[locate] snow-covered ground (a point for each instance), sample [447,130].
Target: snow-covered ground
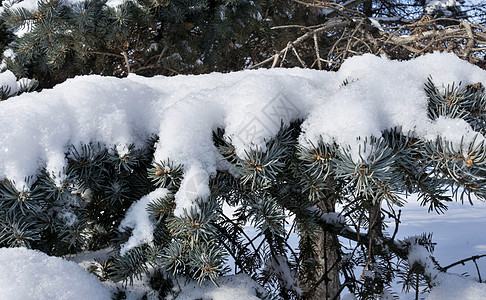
[459,233]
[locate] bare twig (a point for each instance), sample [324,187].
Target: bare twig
[127,61]
[462,261]
[316,46]
[298,57]
[348,36]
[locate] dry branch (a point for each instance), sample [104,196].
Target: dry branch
[328,45]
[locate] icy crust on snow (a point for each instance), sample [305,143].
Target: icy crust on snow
[30,274]
[239,286]
[37,128]
[446,286]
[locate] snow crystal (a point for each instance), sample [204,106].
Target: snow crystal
[366,96]
[239,286]
[30,274]
[137,218]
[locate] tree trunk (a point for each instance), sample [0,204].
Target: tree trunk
[368,8]
[320,267]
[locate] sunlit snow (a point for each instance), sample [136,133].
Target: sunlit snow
[30,274]
[250,105]
[366,96]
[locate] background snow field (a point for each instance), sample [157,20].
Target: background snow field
[459,233]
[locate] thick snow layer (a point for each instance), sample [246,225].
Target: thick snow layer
[137,218]
[37,128]
[451,286]
[234,287]
[32,275]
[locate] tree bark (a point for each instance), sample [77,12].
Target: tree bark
[320,271]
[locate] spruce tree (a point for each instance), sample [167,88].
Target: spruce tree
[83,209]
[143,37]
[61,39]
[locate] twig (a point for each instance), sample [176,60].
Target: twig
[351,34]
[316,46]
[295,26]
[477,269]
[104,53]
[284,55]
[298,57]
[275,60]
[470,41]
[304,37]
[127,62]
[397,223]
[462,261]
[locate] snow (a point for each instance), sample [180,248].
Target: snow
[29,274]
[443,6]
[140,288]
[8,80]
[30,5]
[239,286]
[458,234]
[385,94]
[451,286]
[445,285]
[138,219]
[7,54]
[36,130]
[184,110]
[279,265]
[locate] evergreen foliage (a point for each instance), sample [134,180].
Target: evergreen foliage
[83,209]
[60,40]
[145,37]
[286,189]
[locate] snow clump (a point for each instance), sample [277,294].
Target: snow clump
[31,274]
